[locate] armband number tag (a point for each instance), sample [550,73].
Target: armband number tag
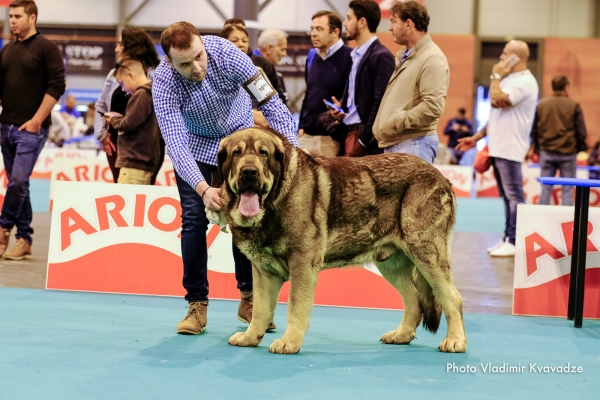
[259,88]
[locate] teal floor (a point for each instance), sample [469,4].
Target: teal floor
[68,345]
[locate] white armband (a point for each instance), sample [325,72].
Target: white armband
[259,88]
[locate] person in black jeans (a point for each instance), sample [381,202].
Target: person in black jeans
[32,80]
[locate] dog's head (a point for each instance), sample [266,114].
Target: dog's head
[252,163]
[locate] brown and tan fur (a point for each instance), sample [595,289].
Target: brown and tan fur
[317,213]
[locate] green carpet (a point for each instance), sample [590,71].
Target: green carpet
[68,345]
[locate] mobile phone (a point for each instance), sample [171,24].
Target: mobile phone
[333,106]
[512,60]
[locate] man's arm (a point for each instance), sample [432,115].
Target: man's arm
[433,85]
[168,113]
[55,72]
[580,131]
[498,98]
[469,142]
[240,69]
[383,68]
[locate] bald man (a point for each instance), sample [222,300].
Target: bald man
[513,93]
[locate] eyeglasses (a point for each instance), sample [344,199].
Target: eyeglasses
[318,29]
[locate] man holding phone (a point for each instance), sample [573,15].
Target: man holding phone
[513,93]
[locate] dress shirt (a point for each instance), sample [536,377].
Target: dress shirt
[357,55]
[330,51]
[195,116]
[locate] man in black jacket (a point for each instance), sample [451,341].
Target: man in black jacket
[32,79]
[372,67]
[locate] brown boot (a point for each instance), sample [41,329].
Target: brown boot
[20,250]
[245,310]
[195,320]
[4,238]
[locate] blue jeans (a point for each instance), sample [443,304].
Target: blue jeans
[424,147]
[510,186]
[20,150]
[193,242]
[549,164]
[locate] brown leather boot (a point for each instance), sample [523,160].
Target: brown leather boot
[195,321]
[4,238]
[245,310]
[21,250]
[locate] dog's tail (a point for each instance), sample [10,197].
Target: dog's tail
[428,303]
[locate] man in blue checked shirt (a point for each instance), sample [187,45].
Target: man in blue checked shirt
[201,95]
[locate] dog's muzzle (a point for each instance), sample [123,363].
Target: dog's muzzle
[249,187]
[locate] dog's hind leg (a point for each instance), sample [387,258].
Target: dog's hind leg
[398,270]
[433,262]
[265,287]
[303,280]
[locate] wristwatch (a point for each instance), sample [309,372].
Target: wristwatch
[495,76]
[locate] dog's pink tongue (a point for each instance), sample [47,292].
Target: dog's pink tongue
[249,206]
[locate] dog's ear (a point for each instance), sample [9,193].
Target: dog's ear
[223,161]
[281,157]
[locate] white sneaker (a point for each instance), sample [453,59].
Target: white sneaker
[497,245]
[506,250]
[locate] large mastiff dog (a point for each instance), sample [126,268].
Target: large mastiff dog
[294,215]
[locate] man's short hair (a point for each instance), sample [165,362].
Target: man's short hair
[270,37]
[235,21]
[333,19]
[129,64]
[179,35]
[414,11]
[560,82]
[462,111]
[28,5]
[369,10]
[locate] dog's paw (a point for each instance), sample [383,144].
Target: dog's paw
[281,346]
[398,337]
[242,339]
[451,345]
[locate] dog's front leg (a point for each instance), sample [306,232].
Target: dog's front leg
[303,280]
[265,289]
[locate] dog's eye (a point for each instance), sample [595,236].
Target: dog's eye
[236,152]
[263,153]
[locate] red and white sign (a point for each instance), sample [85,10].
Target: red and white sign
[43,166]
[543,261]
[460,177]
[97,170]
[126,239]
[485,184]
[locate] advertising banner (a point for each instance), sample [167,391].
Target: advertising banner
[126,239]
[43,166]
[460,177]
[543,261]
[97,170]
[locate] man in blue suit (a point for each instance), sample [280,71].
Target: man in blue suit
[372,67]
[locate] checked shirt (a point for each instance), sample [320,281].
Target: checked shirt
[195,116]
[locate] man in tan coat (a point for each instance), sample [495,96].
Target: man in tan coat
[416,94]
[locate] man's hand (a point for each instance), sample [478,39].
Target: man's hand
[335,113]
[108,146]
[212,199]
[501,68]
[31,126]
[259,119]
[466,143]
[300,132]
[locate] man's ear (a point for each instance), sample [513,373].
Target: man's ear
[169,61]
[223,162]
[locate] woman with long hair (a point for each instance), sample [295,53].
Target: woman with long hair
[134,43]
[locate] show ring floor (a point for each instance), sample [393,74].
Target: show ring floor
[59,345]
[104,346]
